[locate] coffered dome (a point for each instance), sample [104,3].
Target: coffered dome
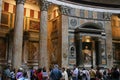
[103,3]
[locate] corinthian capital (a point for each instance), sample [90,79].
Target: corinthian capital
[65,10]
[44,5]
[20,1]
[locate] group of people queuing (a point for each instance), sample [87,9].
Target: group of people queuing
[57,73]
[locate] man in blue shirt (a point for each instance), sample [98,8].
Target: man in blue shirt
[56,74]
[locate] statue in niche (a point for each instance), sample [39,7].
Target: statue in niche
[87,55]
[102,52]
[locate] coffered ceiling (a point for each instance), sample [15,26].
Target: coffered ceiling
[116,2]
[104,3]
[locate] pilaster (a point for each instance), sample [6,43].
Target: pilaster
[109,53]
[64,41]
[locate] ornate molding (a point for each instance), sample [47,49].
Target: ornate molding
[65,10]
[20,1]
[44,5]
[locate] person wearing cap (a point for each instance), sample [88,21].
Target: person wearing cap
[56,74]
[19,73]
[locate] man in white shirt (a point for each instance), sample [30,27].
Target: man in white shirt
[75,73]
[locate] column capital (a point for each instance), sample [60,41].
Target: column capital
[44,5]
[65,9]
[107,15]
[20,1]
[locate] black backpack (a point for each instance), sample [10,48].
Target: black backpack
[79,75]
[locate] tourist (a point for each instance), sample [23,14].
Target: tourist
[45,74]
[39,74]
[24,77]
[75,73]
[92,73]
[12,74]
[64,74]
[19,73]
[56,74]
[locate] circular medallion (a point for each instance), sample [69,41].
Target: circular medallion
[73,22]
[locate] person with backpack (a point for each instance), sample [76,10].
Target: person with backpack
[12,74]
[69,73]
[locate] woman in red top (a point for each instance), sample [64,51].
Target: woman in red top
[39,74]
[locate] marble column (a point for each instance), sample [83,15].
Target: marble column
[18,34]
[0,10]
[81,54]
[43,53]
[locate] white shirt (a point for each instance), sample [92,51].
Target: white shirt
[75,72]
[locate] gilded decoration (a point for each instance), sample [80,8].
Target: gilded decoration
[116,51]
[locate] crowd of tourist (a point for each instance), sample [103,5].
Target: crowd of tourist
[57,73]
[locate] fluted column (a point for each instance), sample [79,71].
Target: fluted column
[43,54]
[18,34]
[0,9]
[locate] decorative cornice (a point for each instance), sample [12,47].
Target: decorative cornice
[20,1]
[44,5]
[91,8]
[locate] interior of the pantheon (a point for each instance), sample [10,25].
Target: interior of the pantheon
[31,34]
